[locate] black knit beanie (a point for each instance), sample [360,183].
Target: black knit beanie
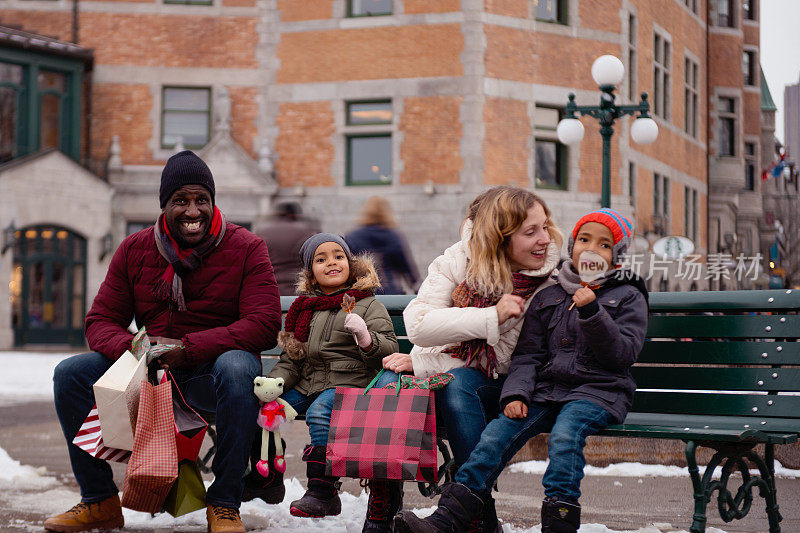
[184,168]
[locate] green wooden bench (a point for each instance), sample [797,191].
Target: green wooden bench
[719,370]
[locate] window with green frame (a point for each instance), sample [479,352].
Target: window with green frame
[551,155]
[185,114]
[40,103]
[11,86]
[368,8]
[551,11]
[369,152]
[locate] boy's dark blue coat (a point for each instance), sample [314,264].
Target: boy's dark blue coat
[562,357]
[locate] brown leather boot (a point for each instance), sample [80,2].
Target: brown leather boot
[106,514]
[223,520]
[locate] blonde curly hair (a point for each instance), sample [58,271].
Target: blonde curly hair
[495,215]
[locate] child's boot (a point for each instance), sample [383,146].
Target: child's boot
[487,521]
[458,507]
[385,500]
[560,517]
[269,488]
[322,497]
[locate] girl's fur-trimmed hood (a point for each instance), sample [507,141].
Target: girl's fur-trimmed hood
[362,269]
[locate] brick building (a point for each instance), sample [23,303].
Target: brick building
[427,103]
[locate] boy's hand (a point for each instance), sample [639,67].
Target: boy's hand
[356,325]
[583,296]
[516,409]
[509,306]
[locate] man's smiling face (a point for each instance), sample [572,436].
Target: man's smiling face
[188,215]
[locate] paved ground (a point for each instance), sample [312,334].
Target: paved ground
[31,434]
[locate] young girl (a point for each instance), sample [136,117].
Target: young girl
[325,347]
[569,376]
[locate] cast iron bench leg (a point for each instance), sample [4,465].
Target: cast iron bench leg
[770,492]
[701,498]
[733,457]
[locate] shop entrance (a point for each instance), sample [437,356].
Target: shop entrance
[48,286]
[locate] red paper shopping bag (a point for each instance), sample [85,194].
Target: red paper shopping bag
[190,427]
[383,434]
[153,465]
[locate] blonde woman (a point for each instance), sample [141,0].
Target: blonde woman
[468,313]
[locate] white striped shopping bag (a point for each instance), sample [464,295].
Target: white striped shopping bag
[90,439]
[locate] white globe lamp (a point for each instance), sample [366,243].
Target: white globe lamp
[644,130]
[570,131]
[607,70]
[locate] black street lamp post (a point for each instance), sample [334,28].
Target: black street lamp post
[607,72]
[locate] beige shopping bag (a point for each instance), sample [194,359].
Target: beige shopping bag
[117,397]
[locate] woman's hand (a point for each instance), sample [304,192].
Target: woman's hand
[516,409]
[509,306]
[583,296]
[398,362]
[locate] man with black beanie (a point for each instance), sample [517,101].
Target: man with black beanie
[199,283]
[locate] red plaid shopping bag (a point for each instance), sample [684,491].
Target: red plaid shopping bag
[383,434]
[153,465]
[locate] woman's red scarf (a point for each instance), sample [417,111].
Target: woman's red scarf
[298,319]
[478,349]
[180,262]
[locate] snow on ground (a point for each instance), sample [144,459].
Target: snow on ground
[30,488]
[638,470]
[28,376]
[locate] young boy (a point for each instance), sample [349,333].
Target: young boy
[569,376]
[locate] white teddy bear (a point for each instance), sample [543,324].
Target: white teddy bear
[274,412]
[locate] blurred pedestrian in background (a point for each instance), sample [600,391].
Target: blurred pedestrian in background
[377,234]
[284,233]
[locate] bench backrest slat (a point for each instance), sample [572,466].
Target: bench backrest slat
[737,326]
[733,352]
[716,378]
[754,405]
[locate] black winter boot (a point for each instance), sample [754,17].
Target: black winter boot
[487,521]
[271,488]
[322,497]
[458,507]
[385,500]
[560,517]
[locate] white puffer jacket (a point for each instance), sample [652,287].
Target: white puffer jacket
[433,323]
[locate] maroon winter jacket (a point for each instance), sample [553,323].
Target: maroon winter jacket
[232,300]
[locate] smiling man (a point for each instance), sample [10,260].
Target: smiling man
[204,285]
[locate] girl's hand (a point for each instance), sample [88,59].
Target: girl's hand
[509,306]
[516,409]
[583,296]
[398,362]
[356,325]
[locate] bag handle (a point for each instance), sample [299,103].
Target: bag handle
[399,384]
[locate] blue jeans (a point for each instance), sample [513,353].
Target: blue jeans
[224,387]
[467,404]
[569,424]
[318,407]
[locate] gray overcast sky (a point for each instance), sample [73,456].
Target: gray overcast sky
[780,50]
